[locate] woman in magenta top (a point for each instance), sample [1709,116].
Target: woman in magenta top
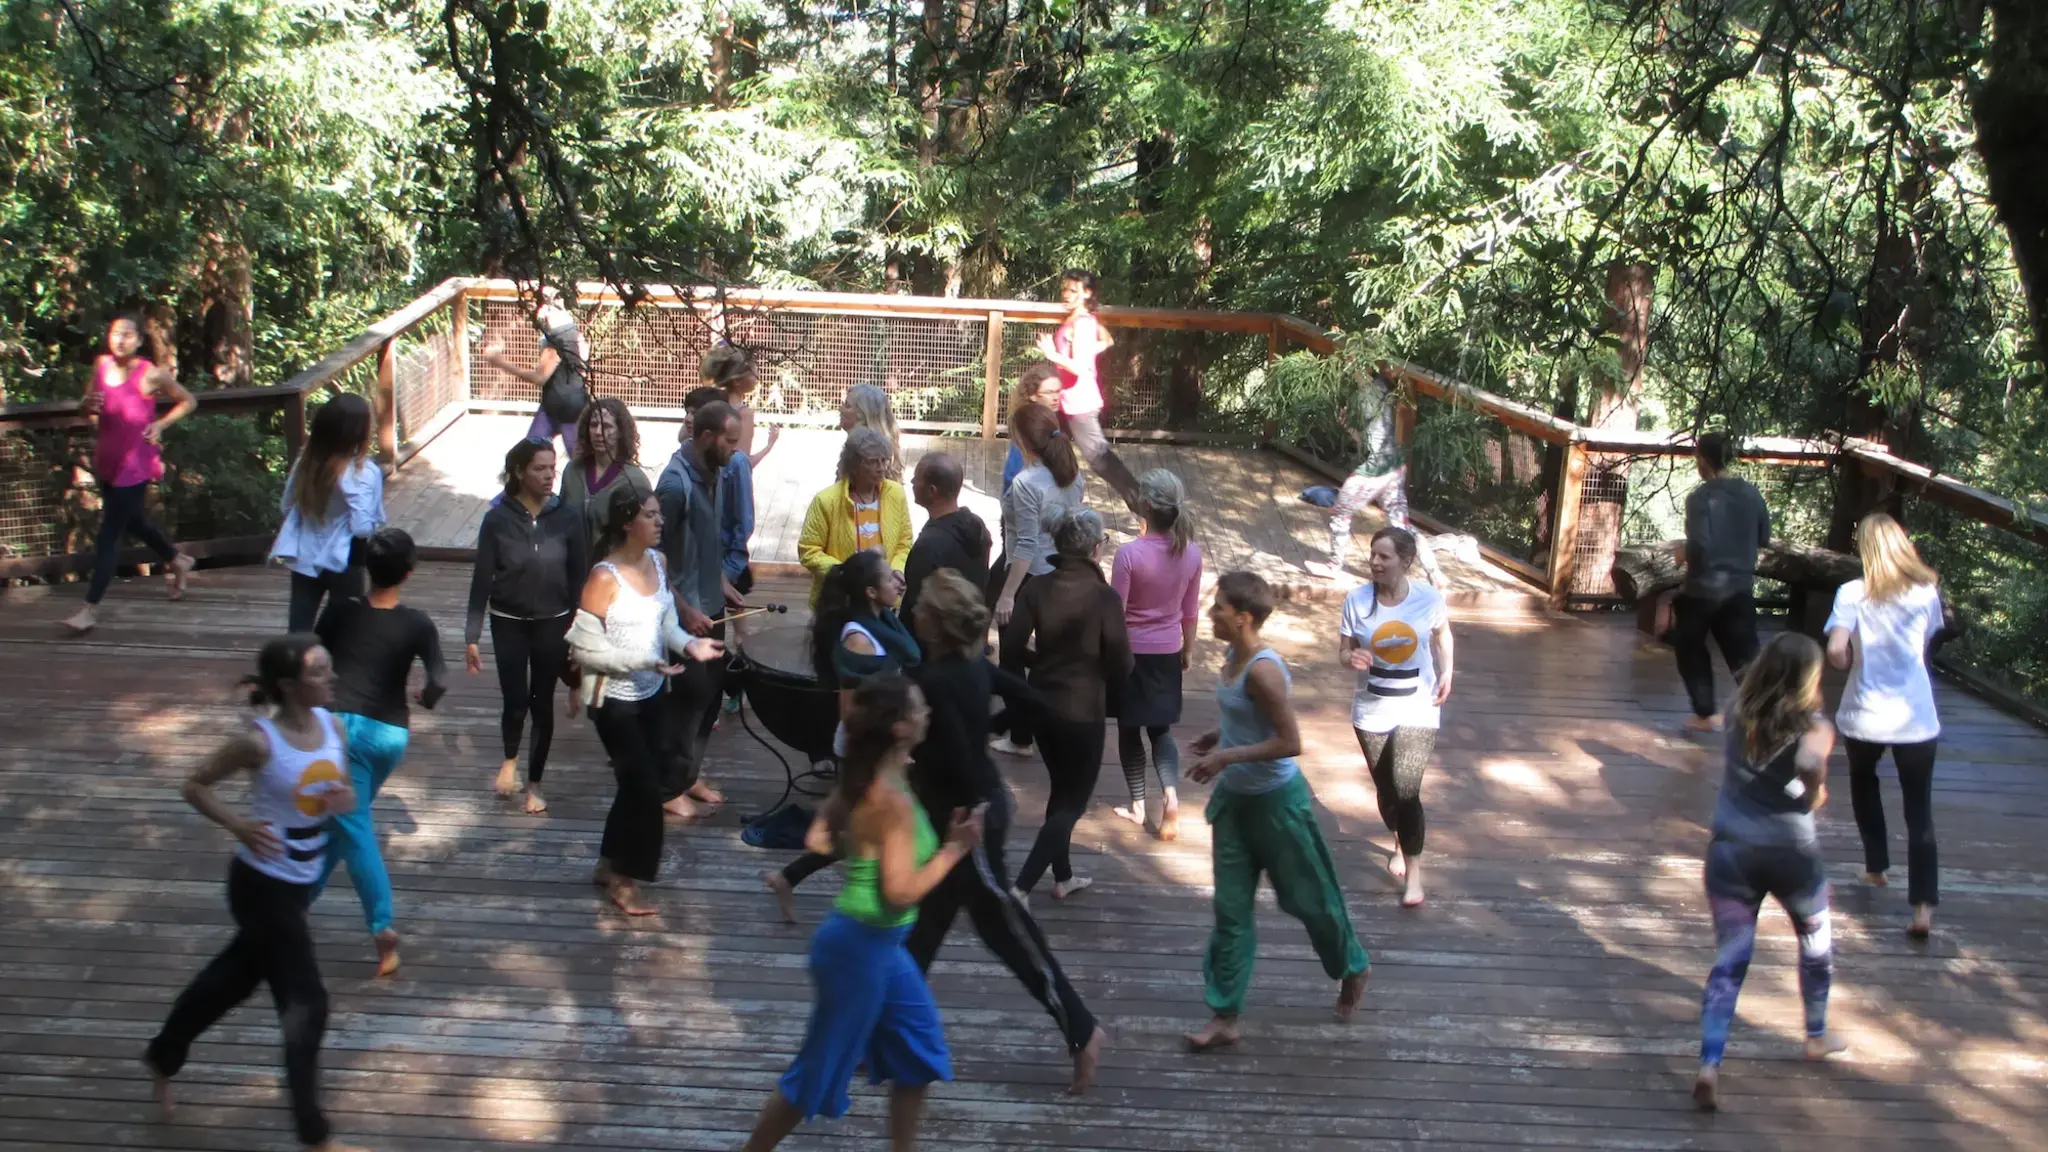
[122,400]
[1072,348]
[1159,576]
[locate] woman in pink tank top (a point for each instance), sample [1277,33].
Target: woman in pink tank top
[1072,349]
[122,400]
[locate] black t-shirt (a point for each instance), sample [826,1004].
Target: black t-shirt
[957,540]
[373,651]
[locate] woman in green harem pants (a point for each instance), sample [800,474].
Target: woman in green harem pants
[1262,819]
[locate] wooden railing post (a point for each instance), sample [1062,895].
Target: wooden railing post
[1564,534]
[294,423]
[458,338]
[1273,341]
[992,376]
[387,403]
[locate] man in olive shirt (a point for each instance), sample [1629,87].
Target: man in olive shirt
[1726,522]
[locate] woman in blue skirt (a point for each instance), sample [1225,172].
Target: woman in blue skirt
[873,1005]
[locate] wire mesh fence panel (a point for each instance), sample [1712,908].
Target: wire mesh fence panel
[42,510]
[426,378]
[1603,509]
[1480,478]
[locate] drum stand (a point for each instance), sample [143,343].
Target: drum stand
[816,781]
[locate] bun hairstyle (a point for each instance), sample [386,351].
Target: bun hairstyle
[145,342]
[517,460]
[1164,500]
[1076,532]
[282,659]
[619,509]
[879,705]
[1090,283]
[1037,428]
[725,366]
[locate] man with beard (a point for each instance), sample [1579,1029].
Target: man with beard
[692,493]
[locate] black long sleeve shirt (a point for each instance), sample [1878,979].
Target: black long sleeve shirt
[952,768]
[531,567]
[373,650]
[957,540]
[1726,521]
[1083,651]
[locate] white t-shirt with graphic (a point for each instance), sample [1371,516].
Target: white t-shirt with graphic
[1889,698]
[1398,688]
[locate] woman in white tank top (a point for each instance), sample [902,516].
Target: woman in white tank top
[296,759]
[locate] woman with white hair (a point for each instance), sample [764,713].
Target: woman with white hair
[1069,624]
[1159,578]
[864,509]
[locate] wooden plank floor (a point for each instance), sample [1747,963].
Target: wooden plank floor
[1247,502]
[1547,997]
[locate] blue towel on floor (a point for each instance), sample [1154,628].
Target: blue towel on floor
[1322,496]
[781,830]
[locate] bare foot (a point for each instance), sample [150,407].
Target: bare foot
[1875,879]
[1825,1045]
[626,896]
[1703,723]
[705,794]
[82,621]
[681,807]
[1923,922]
[1169,823]
[1412,898]
[1135,813]
[159,1087]
[1221,1033]
[1706,1095]
[1022,897]
[176,573]
[387,952]
[1060,891]
[1086,1061]
[1397,865]
[508,778]
[1349,993]
[535,804]
[785,896]
[603,875]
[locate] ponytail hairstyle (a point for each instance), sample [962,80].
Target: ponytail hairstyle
[1089,282]
[724,367]
[1775,703]
[1163,499]
[1404,544]
[880,704]
[619,509]
[843,596]
[145,342]
[1038,429]
[1891,564]
[338,438]
[282,658]
[518,458]
[871,410]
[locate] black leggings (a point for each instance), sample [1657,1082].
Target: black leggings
[1073,759]
[1130,749]
[1731,622]
[1010,657]
[307,592]
[1915,763]
[1397,761]
[530,655]
[273,946]
[122,514]
[636,737]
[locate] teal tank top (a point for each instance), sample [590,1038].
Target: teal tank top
[1240,724]
[861,895]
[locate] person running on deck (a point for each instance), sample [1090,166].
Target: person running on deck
[1726,522]
[873,1006]
[1774,778]
[333,501]
[1396,634]
[373,644]
[1381,479]
[1159,577]
[1262,819]
[1073,348]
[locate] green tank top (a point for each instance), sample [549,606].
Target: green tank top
[861,895]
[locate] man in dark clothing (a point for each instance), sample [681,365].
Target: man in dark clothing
[953,537]
[1726,521]
[691,492]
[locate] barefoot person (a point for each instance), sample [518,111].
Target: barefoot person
[1051,478]
[559,372]
[623,638]
[333,501]
[855,634]
[530,562]
[1381,479]
[1071,625]
[294,759]
[1159,577]
[1072,348]
[1764,844]
[873,1007]
[127,456]
[1883,630]
[1262,819]
[951,770]
[373,644]
[863,510]
[607,446]
[1726,521]
[1396,634]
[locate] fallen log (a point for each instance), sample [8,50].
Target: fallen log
[1646,571]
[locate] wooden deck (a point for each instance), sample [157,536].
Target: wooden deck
[1250,513]
[1547,997]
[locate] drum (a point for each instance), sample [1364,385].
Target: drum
[773,662]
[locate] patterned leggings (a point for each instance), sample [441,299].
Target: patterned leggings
[1397,761]
[1390,492]
[1739,876]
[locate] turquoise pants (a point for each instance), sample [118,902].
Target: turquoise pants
[374,750]
[1274,833]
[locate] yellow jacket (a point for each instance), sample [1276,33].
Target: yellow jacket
[829,534]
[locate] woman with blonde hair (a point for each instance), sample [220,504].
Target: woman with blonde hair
[867,406]
[1882,630]
[1159,577]
[1774,778]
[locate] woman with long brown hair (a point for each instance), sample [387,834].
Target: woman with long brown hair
[333,501]
[1764,844]
[606,452]
[1051,479]
[1883,629]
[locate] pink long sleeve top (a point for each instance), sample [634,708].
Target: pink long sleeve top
[1161,591]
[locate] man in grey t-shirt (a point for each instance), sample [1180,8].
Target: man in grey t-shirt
[1726,521]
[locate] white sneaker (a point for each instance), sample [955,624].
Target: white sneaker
[1002,744]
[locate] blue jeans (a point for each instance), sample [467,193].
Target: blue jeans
[374,750]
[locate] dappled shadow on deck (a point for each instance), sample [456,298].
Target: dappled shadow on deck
[1547,996]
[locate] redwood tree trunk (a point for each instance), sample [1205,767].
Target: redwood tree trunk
[2011,112]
